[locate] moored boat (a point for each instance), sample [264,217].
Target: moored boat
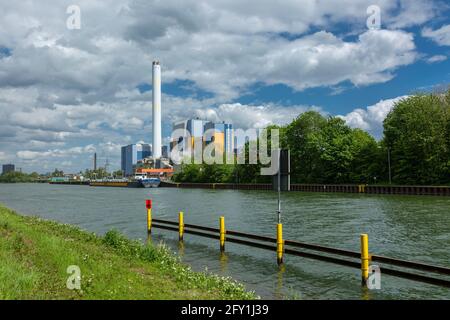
[150,182]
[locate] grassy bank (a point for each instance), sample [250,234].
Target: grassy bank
[35,254]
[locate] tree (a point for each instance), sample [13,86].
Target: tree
[188,173]
[15,176]
[301,137]
[367,158]
[118,174]
[416,131]
[216,173]
[100,173]
[335,143]
[58,173]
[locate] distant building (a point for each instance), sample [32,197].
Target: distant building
[165,151]
[205,132]
[195,128]
[222,135]
[8,168]
[131,154]
[181,127]
[229,138]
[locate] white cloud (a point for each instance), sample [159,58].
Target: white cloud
[441,36]
[207,43]
[31,155]
[371,118]
[247,116]
[3,156]
[412,13]
[436,58]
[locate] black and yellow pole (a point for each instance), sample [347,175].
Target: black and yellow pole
[148,204]
[180,225]
[280,243]
[222,233]
[364,258]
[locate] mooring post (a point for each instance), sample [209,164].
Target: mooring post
[280,243]
[180,225]
[364,258]
[148,204]
[222,233]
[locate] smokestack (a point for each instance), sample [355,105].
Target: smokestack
[156,148]
[95,161]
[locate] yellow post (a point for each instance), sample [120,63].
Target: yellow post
[222,233]
[280,243]
[149,220]
[364,258]
[180,225]
[148,205]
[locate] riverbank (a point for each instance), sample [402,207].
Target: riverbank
[339,188]
[35,255]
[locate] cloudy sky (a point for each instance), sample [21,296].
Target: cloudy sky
[66,93]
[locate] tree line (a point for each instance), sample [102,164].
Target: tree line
[415,145]
[16,177]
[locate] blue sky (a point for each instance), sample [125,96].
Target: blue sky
[66,93]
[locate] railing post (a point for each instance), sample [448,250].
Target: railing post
[280,243]
[364,258]
[222,233]
[180,225]
[148,204]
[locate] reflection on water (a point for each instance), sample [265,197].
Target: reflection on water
[407,227]
[223,259]
[181,249]
[279,288]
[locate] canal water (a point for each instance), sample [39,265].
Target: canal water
[414,228]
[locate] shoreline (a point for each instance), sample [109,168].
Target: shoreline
[35,255]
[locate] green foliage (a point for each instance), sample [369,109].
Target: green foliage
[302,137]
[118,174]
[169,262]
[417,133]
[100,173]
[205,173]
[17,177]
[57,173]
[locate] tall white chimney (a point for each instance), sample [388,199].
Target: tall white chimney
[156,148]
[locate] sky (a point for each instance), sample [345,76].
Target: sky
[68,92]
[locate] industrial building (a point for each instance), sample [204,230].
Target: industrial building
[131,154]
[8,168]
[205,132]
[222,135]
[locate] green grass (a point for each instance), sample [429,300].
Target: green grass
[35,254]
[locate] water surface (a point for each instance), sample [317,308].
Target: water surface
[407,227]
